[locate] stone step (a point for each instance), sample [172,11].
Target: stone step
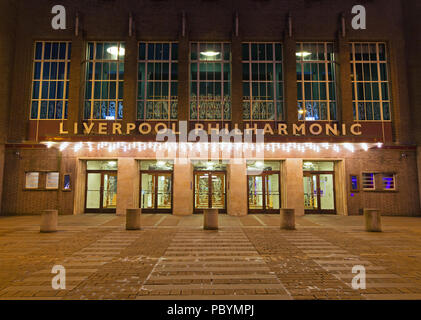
[216,297]
[210,269]
[234,286]
[246,276]
[207,263]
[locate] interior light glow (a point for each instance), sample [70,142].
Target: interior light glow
[116,51]
[260,164]
[209,53]
[303,54]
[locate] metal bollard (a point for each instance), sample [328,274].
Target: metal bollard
[49,221]
[210,219]
[372,219]
[133,219]
[287,219]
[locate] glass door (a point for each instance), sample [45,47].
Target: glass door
[164,191]
[209,191]
[272,194]
[319,192]
[264,193]
[217,190]
[156,192]
[311,202]
[101,192]
[255,186]
[201,190]
[326,193]
[109,199]
[147,194]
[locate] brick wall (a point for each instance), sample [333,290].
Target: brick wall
[392,21]
[17,200]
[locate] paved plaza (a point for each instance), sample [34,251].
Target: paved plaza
[173,258]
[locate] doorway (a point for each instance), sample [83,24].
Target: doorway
[101,192]
[319,193]
[156,191]
[263,192]
[210,190]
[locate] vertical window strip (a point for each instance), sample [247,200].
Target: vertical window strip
[157,95]
[316,81]
[267,59]
[50,80]
[370,81]
[210,81]
[104,81]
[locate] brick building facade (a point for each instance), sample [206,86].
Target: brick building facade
[262,64]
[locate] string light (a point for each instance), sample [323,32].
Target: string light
[214,147]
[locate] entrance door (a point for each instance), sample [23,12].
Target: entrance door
[101,192]
[263,193]
[209,191]
[156,192]
[319,192]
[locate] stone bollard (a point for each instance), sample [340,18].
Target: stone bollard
[372,218]
[49,221]
[133,219]
[210,217]
[287,219]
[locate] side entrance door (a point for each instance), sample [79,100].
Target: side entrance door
[101,192]
[319,193]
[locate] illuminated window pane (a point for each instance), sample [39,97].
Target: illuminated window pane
[316,81]
[210,74]
[157,97]
[370,81]
[262,81]
[105,78]
[51,63]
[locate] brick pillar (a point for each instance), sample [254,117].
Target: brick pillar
[293,187]
[419,174]
[127,177]
[183,78]
[290,74]
[237,188]
[183,188]
[76,84]
[236,82]
[130,81]
[344,85]
[398,92]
